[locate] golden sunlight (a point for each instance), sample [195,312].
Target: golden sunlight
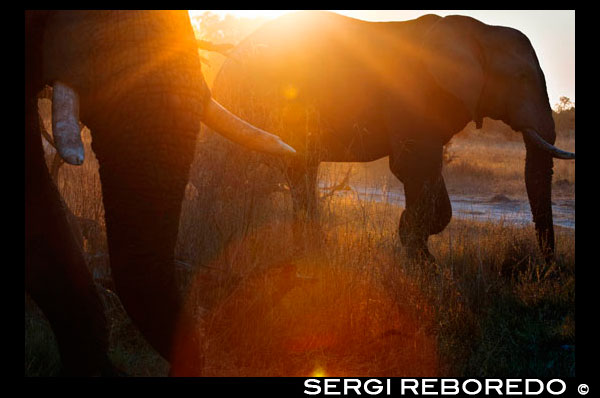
[399,241]
[269,14]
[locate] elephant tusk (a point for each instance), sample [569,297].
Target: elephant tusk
[65,124]
[543,145]
[237,130]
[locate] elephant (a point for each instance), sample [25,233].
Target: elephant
[134,78]
[340,89]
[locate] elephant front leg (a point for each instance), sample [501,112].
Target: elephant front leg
[73,309]
[428,210]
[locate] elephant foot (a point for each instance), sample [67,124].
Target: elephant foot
[420,254]
[549,256]
[416,247]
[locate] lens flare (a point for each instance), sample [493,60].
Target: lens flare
[283,318]
[290,92]
[318,372]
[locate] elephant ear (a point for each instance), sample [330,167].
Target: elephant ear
[451,54]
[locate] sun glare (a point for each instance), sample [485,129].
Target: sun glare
[269,14]
[556,60]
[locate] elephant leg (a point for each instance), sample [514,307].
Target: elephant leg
[302,178]
[428,210]
[303,187]
[56,276]
[65,293]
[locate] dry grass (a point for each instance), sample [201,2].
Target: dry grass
[372,312]
[489,307]
[490,162]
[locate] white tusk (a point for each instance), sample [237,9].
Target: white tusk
[65,124]
[232,127]
[542,144]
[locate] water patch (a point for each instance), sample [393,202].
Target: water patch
[478,208]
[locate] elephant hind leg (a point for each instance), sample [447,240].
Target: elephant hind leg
[303,186]
[302,178]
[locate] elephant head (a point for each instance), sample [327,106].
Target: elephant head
[494,72]
[133,77]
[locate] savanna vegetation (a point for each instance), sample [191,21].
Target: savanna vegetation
[341,298]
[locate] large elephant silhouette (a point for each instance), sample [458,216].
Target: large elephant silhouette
[133,77]
[345,90]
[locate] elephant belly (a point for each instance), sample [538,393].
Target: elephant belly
[354,144]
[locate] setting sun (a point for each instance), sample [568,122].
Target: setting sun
[269,14]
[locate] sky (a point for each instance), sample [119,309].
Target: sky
[552,33]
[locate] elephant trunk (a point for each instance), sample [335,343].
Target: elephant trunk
[538,181]
[539,136]
[142,194]
[539,144]
[145,145]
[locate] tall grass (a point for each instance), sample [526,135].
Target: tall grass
[373,312]
[490,306]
